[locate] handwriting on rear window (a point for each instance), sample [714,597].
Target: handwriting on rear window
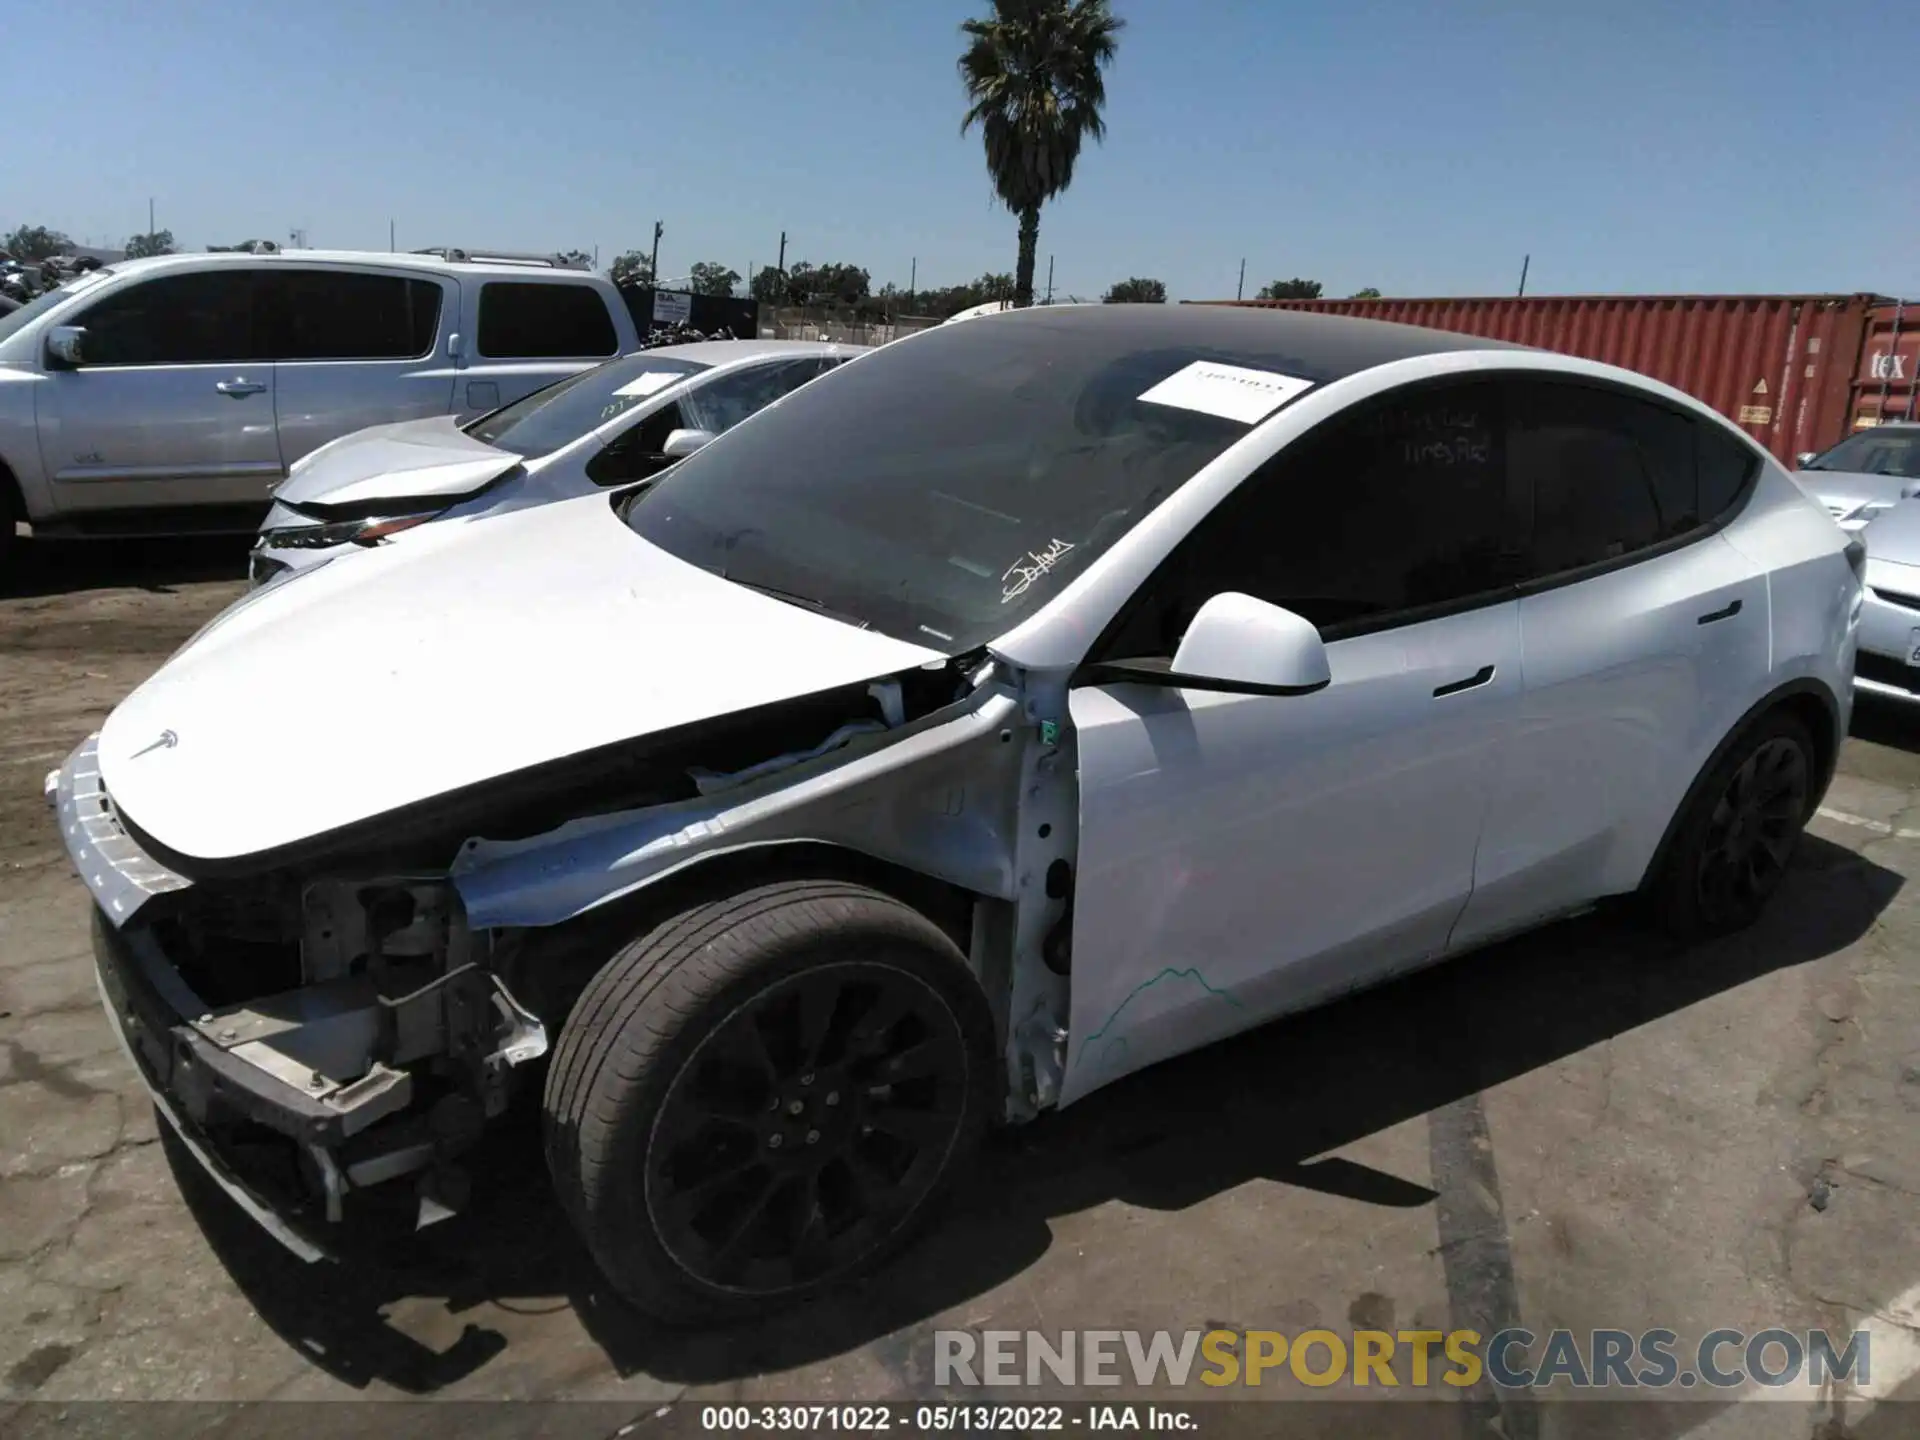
[1030,567]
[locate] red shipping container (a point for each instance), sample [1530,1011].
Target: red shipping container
[1785,368]
[1883,383]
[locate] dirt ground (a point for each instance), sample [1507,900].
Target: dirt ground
[1585,1128]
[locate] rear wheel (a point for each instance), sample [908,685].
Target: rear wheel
[9,542]
[765,1095]
[1739,834]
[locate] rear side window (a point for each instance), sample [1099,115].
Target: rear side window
[341,315]
[536,322]
[1597,475]
[1726,468]
[206,318]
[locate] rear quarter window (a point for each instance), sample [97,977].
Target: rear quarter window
[1726,469]
[534,321]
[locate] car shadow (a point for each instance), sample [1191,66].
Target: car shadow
[1881,721]
[41,567]
[1164,1139]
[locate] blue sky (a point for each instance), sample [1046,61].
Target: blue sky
[1628,145]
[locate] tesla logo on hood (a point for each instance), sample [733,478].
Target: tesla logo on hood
[166,741]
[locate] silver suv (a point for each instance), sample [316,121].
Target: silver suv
[171,395]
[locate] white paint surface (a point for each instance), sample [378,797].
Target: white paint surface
[478,650]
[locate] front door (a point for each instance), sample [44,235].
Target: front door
[172,407]
[1241,856]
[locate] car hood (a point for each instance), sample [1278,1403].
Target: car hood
[1845,491]
[1894,534]
[411,460]
[474,652]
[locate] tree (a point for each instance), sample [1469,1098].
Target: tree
[1032,77]
[36,242]
[1291,290]
[159,242]
[632,268]
[578,259]
[769,286]
[827,284]
[1367,294]
[1136,292]
[710,277]
[952,299]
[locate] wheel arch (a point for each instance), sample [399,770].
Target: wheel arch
[1811,702]
[13,500]
[556,963]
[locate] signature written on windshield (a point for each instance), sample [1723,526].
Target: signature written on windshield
[1030,567]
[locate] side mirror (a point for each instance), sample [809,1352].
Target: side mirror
[1239,645]
[65,344]
[1806,458]
[682,443]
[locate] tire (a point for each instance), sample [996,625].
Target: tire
[10,546]
[1737,836]
[717,1123]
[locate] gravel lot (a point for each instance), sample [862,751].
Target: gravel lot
[1583,1129]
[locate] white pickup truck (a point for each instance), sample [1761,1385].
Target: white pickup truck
[170,395]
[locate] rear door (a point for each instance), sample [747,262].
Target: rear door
[174,403]
[1645,637]
[355,348]
[528,333]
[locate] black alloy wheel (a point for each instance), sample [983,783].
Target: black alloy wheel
[1752,831]
[806,1128]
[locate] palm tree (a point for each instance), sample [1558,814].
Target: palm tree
[1032,72]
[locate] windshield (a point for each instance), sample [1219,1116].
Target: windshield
[17,320]
[941,490]
[542,422]
[1874,452]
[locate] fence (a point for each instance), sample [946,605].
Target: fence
[842,326]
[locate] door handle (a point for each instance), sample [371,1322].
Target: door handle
[1732,609]
[239,389]
[1472,682]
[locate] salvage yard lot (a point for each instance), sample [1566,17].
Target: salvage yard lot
[1585,1129]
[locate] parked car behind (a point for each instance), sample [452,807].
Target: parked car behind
[615,424]
[1034,700]
[172,394]
[1867,473]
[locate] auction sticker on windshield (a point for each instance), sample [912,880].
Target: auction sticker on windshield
[1229,391]
[648,383]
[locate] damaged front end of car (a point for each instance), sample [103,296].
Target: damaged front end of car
[331,1029]
[307,1036]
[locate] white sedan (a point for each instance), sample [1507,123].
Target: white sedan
[609,426]
[1035,700]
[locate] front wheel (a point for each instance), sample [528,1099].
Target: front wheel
[765,1095]
[1739,832]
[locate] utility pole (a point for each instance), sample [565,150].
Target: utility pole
[653,265]
[389,237]
[1240,289]
[1049,299]
[1525,261]
[913,281]
[149,215]
[780,265]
